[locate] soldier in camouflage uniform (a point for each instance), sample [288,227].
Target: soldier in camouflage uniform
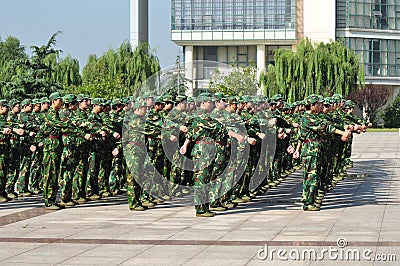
[116,175]
[82,153]
[154,123]
[50,136]
[37,156]
[175,129]
[96,144]
[26,121]
[134,150]
[202,132]
[14,159]
[310,134]
[69,152]
[4,149]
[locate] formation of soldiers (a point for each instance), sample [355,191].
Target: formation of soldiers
[155,148]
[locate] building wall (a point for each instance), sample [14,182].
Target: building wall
[319,20]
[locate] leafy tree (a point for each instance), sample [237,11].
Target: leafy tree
[120,72]
[370,99]
[240,81]
[391,115]
[12,57]
[324,69]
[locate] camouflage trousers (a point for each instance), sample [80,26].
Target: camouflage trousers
[136,166]
[201,154]
[105,169]
[24,168]
[249,171]
[310,179]
[221,176]
[92,182]
[67,170]
[154,183]
[35,176]
[81,171]
[115,180]
[13,167]
[4,150]
[51,166]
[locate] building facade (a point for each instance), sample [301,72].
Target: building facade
[248,31]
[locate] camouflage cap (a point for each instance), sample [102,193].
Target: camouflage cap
[167,98]
[116,102]
[44,100]
[232,100]
[147,95]
[327,101]
[276,97]
[4,103]
[190,100]
[54,96]
[26,102]
[311,99]
[180,98]
[13,102]
[139,103]
[96,101]
[349,104]
[35,101]
[81,97]
[159,100]
[205,96]
[69,98]
[219,96]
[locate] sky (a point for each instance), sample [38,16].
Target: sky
[87,26]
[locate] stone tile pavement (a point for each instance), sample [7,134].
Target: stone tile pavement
[363,210]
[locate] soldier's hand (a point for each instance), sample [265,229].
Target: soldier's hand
[33,148]
[184,129]
[296,125]
[173,138]
[296,155]
[288,131]
[88,136]
[252,141]
[40,145]
[240,138]
[116,135]
[115,152]
[6,131]
[183,150]
[32,134]
[261,135]
[19,131]
[369,124]
[103,133]
[344,138]
[272,121]
[290,150]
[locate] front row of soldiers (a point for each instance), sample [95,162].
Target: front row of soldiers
[74,144]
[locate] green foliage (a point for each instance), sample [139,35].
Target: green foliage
[41,74]
[240,81]
[118,73]
[324,69]
[391,115]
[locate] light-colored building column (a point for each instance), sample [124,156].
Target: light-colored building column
[189,68]
[261,66]
[139,22]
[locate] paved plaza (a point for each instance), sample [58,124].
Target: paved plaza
[363,211]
